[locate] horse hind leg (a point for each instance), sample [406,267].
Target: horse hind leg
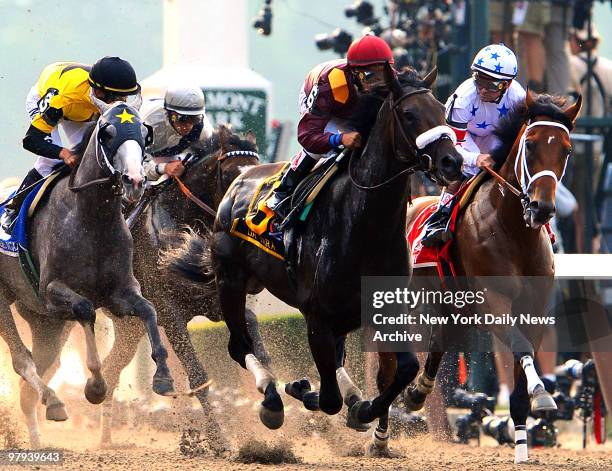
[416,393]
[231,285]
[58,297]
[24,366]
[379,446]
[128,332]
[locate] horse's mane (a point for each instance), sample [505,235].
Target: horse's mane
[509,127]
[368,105]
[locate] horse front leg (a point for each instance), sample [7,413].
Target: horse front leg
[132,303]
[61,299]
[128,332]
[379,446]
[178,335]
[406,371]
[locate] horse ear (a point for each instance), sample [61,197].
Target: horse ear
[224,136]
[529,98]
[250,137]
[572,111]
[392,82]
[431,77]
[108,131]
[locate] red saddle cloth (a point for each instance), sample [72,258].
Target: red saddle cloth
[439,257]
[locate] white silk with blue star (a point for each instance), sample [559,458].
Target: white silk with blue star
[481,119]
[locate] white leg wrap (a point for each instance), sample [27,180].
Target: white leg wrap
[346,385]
[520,441]
[380,437]
[533,379]
[262,376]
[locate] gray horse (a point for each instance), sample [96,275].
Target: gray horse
[160,228]
[83,250]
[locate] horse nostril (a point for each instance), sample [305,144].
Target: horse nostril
[449,163]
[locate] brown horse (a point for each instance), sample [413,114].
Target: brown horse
[340,243]
[500,234]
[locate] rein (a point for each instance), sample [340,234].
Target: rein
[417,145]
[187,192]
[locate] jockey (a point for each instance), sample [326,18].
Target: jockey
[474,111]
[178,121]
[66,98]
[327,100]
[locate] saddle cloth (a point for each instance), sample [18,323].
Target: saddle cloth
[439,257]
[259,234]
[303,198]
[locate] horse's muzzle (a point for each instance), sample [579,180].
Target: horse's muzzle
[538,213]
[133,188]
[449,166]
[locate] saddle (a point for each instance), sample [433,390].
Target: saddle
[16,244]
[262,233]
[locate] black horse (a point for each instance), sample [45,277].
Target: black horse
[356,228]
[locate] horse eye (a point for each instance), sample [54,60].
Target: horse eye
[529,145]
[410,116]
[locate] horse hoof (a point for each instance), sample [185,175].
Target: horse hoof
[541,400]
[353,423]
[56,412]
[297,389]
[311,401]
[357,412]
[163,386]
[95,390]
[376,451]
[271,412]
[413,400]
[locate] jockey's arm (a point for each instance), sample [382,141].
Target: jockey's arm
[311,132]
[37,139]
[466,146]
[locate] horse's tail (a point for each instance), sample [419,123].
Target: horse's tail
[191,259]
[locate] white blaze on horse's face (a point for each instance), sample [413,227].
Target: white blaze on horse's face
[128,161]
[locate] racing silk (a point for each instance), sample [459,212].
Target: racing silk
[64,94]
[474,120]
[328,94]
[167,145]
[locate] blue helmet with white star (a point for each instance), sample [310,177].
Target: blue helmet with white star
[497,61]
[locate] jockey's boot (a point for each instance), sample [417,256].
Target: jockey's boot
[291,179]
[437,231]
[288,183]
[11,210]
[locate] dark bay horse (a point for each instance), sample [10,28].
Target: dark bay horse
[83,250]
[177,301]
[356,228]
[500,234]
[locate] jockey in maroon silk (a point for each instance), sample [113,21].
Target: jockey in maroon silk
[327,100]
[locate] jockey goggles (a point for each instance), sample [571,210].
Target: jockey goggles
[369,77]
[488,84]
[185,118]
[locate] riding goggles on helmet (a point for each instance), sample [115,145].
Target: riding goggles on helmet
[489,84]
[185,118]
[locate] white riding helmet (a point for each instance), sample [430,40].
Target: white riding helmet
[496,60]
[187,100]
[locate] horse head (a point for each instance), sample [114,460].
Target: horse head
[543,152]
[120,142]
[421,138]
[229,154]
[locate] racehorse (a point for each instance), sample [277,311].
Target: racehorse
[207,176]
[356,227]
[501,234]
[83,250]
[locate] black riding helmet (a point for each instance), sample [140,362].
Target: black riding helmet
[115,76]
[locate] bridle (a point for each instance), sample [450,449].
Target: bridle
[105,163]
[417,145]
[521,166]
